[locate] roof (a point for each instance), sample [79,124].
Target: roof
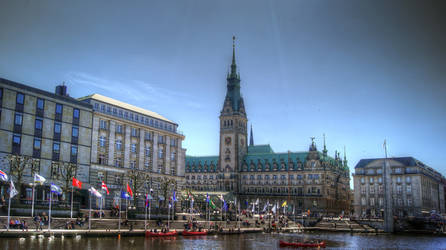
[203,161]
[406,161]
[117,103]
[260,149]
[45,93]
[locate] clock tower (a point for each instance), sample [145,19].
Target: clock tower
[233,131]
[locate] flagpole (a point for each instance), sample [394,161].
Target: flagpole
[145,216]
[9,205]
[89,215]
[168,215]
[49,212]
[100,210]
[72,191]
[119,224]
[32,206]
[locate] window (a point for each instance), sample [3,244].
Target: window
[408,189]
[380,202]
[103,124]
[57,128]
[380,180]
[126,115]
[372,189]
[118,144]
[408,179]
[409,202]
[251,177]
[398,170]
[120,113]
[102,141]
[16,141]
[108,109]
[172,156]
[161,153]
[372,201]
[362,180]
[100,176]
[148,135]
[147,150]
[73,150]
[160,139]
[133,147]
[132,164]
[274,177]
[363,201]
[398,179]
[310,176]
[398,189]
[379,171]
[103,108]
[59,108]
[38,124]
[40,103]
[20,98]
[37,143]
[76,114]
[75,132]
[115,111]
[134,132]
[118,162]
[119,129]
[291,177]
[371,180]
[96,106]
[56,148]
[18,119]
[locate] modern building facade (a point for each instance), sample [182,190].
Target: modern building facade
[416,189]
[135,146]
[309,180]
[44,133]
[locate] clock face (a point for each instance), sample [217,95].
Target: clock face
[228,140]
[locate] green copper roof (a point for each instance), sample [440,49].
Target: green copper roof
[260,149]
[201,163]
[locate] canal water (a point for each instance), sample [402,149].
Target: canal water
[255,241]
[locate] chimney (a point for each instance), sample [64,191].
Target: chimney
[61,90]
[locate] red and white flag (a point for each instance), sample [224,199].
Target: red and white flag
[104,187]
[77,183]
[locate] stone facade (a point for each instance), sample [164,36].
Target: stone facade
[416,188]
[50,128]
[135,146]
[309,180]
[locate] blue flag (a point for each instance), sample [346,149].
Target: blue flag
[174,196]
[125,195]
[207,198]
[56,189]
[225,206]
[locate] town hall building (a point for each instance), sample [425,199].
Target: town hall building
[307,180]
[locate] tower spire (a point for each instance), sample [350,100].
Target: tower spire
[325,148]
[233,65]
[251,139]
[345,158]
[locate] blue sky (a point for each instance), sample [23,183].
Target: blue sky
[358,71]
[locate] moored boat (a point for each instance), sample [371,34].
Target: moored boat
[152,234]
[301,244]
[191,233]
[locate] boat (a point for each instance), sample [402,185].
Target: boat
[152,234]
[301,244]
[191,233]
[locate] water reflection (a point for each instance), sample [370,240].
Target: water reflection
[248,241]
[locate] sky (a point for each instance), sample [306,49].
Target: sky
[357,71]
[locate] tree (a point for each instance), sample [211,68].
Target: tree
[136,179]
[67,170]
[19,164]
[165,183]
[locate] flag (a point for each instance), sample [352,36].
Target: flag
[174,196]
[170,205]
[257,201]
[147,200]
[104,187]
[221,197]
[39,179]
[129,190]
[265,207]
[76,183]
[225,206]
[274,209]
[284,204]
[12,191]
[56,189]
[3,176]
[246,203]
[211,204]
[125,195]
[253,207]
[207,198]
[95,192]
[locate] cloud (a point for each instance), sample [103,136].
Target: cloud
[140,92]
